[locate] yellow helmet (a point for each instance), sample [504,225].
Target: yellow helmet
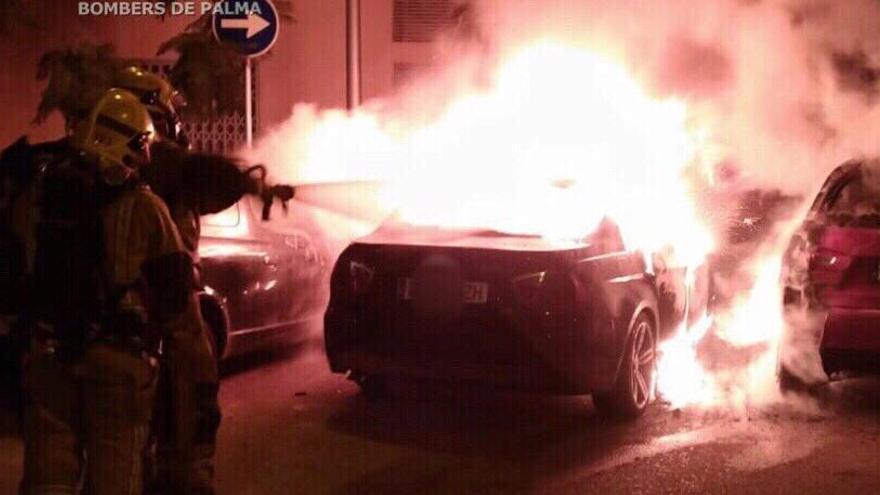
[160,98]
[117,134]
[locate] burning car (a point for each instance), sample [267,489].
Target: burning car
[831,277]
[511,311]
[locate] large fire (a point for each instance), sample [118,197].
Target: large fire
[556,137]
[556,114]
[559,137]
[753,323]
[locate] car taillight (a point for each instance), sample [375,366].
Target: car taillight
[825,260]
[547,294]
[827,268]
[360,277]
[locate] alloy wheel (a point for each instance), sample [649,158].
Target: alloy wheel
[644,366]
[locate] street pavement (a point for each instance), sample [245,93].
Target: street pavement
[291,427]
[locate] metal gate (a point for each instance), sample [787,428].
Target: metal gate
[222,135]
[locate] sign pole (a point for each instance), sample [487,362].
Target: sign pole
[248,104]
[353,53]
[251,36]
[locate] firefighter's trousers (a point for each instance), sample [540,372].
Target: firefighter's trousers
[187,413]
[85,422]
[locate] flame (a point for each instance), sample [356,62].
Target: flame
[558,137]
[681,379]
[754,323]
[552,113]
[557,114]
[757,317]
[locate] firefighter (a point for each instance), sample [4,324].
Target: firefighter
[109,273]
[19,164]
[180,453]
[191,184]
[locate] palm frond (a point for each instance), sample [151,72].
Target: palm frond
[76,79]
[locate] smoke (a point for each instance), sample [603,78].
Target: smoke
[777,86]
[781,86]
[775,94]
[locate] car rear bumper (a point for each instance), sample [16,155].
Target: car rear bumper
[518,357]
[524,377]
[852,329]
[851,340]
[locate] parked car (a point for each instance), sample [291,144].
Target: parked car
[262,280]
[263,283]
[831,273]
[510,311]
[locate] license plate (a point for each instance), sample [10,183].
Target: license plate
[476,292]
[472,292]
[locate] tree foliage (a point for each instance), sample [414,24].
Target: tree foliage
[15,14]
[76,79]
[208,74]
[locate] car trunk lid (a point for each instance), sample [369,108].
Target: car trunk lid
[459,303]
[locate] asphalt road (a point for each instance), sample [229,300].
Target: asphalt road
[291,427]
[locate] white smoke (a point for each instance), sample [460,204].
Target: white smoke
[787,89]
[781,90]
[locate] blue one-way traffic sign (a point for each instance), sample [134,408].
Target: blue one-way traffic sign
[249,26]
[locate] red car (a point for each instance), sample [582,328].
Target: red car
[832,275]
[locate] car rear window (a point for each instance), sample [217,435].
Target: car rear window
[857,202]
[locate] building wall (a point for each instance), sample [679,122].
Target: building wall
[58,26]
[379,53]
[307,63]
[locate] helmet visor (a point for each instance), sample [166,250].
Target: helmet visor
[138,141]
[169,127]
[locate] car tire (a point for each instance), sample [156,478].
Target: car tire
[637,378]
[212,341]
[788,381]
[373,387]
[216,321]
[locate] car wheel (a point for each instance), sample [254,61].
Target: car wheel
[212,341]
[788,381]
[372,387]
[636,380]
[216,320]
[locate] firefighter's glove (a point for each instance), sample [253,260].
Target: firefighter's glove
[282,192]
